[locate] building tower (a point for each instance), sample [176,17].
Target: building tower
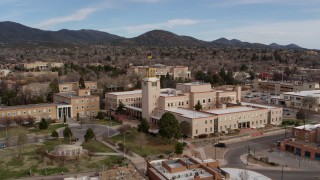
[150,94]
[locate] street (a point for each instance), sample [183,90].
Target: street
[237,149]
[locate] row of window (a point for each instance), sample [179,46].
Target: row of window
[18,113]
[82,101]
[82,107]
[178,103]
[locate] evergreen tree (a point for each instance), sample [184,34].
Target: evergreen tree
[81,83]
[120,108]
[89,134]
[169,126]
[198,106]
[179,148]
[100,115]
[54,134]
[43,124]
[185,128]
[67,133]
[143,126]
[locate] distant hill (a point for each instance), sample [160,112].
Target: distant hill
[11,32]
[162,38]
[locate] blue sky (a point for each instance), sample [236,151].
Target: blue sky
[264,21]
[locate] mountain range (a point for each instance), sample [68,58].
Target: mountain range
[11,32]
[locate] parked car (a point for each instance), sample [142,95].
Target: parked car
[2,146]
[248,96]
[221,145]
[286,109]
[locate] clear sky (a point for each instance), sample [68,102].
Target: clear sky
[263,21]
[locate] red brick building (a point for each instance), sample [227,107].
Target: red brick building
[305,142]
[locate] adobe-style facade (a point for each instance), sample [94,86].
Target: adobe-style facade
[162,70]
[279,87]
[74,86]
[40,65]
[80,102]
[67,104]
[152,102]
[296,99]
[305,142]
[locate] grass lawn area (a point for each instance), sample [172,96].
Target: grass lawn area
[13,131]
[144,144]
[96,146]
[106,122]
[51,128]
[11,167]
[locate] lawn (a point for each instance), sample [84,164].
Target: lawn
[51,128]
[106,122]
[145,144]
[96,146]
[11,167]
[13,131]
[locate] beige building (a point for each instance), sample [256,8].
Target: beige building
[80,103]
[152,102]
[278,87]
[67,104]
[40,65]
[37,111]
[74,86]
[162,70]
[298,99]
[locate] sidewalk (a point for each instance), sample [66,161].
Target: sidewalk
[137,160]
[243,159]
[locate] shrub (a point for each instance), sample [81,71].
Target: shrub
[203,136]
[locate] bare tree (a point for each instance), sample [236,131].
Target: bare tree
[21,141]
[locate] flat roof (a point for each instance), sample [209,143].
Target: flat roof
[196,83]
[188,174]
[126,92]
[234,173]
[312,93]
[308,127]
[231,110]
[133,108]
[26,106]
[72,94]
[189,113]
[258,105]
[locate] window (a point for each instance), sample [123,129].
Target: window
[210,121]
[196,131]
[203,101]
[49,110]
[296,133]
[306,135]
[187,102]
[206,121]
[168,104]
[209,100]
[211,129]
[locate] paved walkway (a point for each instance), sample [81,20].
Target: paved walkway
[137,160]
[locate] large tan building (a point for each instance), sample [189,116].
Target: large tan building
[36,111]
[152,102]
[298,99]
[162,70]
[67,104]
[40,65]
[80,103]
[279,87]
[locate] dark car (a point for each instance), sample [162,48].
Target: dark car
[221,145]
[2,146]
